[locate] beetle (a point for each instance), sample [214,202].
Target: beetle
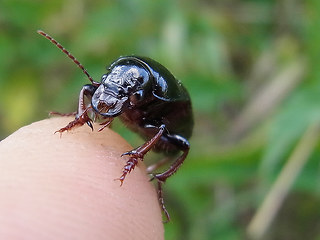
[148,99]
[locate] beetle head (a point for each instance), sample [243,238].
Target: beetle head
[113,95]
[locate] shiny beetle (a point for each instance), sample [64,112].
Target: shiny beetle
[149,100]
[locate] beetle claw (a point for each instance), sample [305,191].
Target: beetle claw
[127,153]
[135,153]
[90,124]
[121,179]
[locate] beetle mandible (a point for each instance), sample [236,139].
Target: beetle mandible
[148,99]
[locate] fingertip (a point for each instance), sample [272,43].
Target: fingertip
[64,187]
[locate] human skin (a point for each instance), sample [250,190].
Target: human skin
[64,187]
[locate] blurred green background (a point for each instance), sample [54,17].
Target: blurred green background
[252,70]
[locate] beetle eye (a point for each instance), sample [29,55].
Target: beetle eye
[103,78]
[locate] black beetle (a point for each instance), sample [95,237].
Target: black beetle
[148,99]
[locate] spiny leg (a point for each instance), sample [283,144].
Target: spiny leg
[161,201]
[173,168]
[78,122]
[183,145]
[162,177]
[130,165]
[82,114]
[139,153]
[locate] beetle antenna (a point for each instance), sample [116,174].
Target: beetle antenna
[51,39]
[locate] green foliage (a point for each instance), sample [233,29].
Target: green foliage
[252,71]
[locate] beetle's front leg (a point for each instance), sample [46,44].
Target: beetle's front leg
[82,113]
[139,152]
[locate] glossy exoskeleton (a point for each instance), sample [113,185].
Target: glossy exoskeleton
[148,99]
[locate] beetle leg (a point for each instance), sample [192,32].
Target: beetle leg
[158,164]
[161,201]
[63,114]
[82,114]
[162,177]
[139,152]
[184,146]
[105,124]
